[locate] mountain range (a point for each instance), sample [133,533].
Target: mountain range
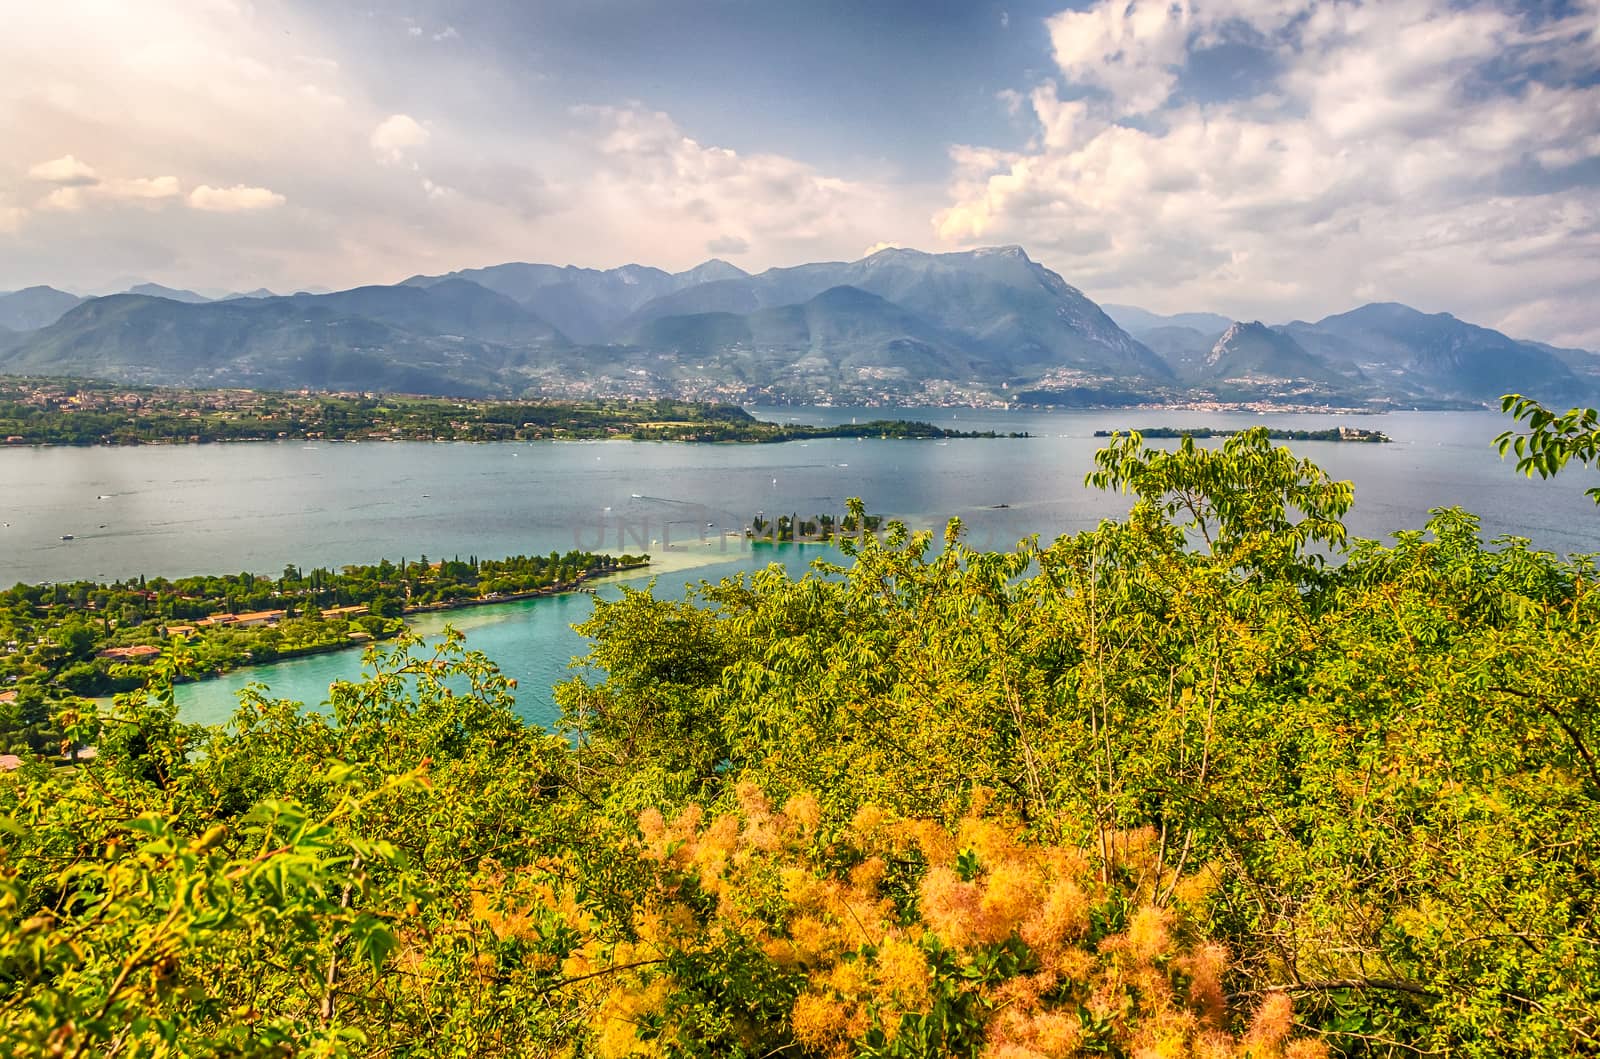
[896,326]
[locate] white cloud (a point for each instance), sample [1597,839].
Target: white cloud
[146,191]
[65,171]
[236,199]
[11,218]
[396,137]
[261,96]
[650,178]
[140,188]
[64,199]
[1130,50]
[1389,158]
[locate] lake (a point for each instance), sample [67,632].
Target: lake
[174,510]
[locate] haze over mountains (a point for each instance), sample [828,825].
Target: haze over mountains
[899,325]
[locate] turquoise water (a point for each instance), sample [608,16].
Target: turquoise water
[532,641]
[176,510]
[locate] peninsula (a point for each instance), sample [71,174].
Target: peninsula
[75,412]
[66,639]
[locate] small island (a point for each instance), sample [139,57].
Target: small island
[84,638]
[817,528]
[1201,433]
[75,412]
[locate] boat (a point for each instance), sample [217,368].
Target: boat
[67,537]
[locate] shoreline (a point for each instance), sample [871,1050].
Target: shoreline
[432,619]
[821,435]
[574,588]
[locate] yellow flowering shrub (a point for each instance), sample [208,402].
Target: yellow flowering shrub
[766,929]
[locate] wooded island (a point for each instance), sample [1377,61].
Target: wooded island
[1202,433]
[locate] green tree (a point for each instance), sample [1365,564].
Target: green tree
[1549,441]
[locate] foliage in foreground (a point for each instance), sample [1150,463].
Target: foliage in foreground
[1171,787]
[1550,440]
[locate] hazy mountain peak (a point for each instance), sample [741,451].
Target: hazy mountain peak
[1448,354]
[907,253]
[634,274]
[896,253]
[1250,351]
[1002,251]
[1237,333]
[1135,320]
[1241,327]
[710,272]
[34,307]
[175,294]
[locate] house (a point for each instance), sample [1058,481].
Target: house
[180,630]
[255,617]
[141,653]
[359,610]
[10,762]
[259,617]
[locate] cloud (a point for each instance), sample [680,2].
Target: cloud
[141,189]
[728,244]
[236,199]
[65,171]
[65,199]
[875,247]
[11,218]
[648,177]
[1415,150]
[186,103]
[396,137]
[1129,50]
[146,191]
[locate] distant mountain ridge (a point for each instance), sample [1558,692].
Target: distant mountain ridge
[896,326]
[1381,351]
[1133,320]
[34,307]
[156,290]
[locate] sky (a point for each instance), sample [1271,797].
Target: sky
[1265,159]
